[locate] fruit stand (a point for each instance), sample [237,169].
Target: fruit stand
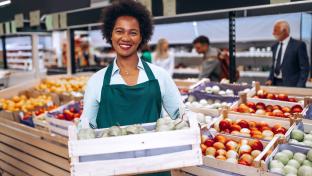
[231,140]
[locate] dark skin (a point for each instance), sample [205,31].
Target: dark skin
[126,38]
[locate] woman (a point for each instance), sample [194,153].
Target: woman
[163,57]
[129,91]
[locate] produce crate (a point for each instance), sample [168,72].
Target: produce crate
[244,99]
[306,127]
[60,126]
[265,164]
[298,93]
[137,153]
[26,151]
[212,166]
[41,122]
[288,124]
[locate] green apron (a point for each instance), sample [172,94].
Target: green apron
[126,105]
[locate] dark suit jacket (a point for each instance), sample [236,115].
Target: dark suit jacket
[295,65]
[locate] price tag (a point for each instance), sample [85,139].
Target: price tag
[169,7]
[19,20]
[55,21]
[13,27]
[1,29]
[34,18]
[21,114]
[63,20]
[49,22]
[7,27]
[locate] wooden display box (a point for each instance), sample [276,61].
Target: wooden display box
[244,99]
[149,152]
[289,124]
[220,167]
[298,93]
[185,83]
[304,125]
[26,151]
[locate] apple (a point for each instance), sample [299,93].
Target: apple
[203,138]
[292,99]
[261,94]
[221,157]
[275,127]
[277,107]
[296,109]
[269,108]
[269,113]
[260,105]
[224,124]
[231,145]
[220,138]
[203,148]
[260,112]
[255,153]
[245,148]
[280,130]
[231,154]
[77,115]
[262,124]
[247,158]
[286,109]
[282,97]
[243,142]
[235,127]
[256,145]
[255,132]
[287,114]
[211,151]
[264,128]
[209,142]
[251,105]
[257,136]
[242,162]
[218,145]
[72,109]
[271,96]
[221,152]
[60,116]
[245,130]
[252,124]
[243,108]
[243,124]
[267,133]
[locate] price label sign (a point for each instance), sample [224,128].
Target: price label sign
[63,20]
[34,18]
[48,22]
[19,20]
[7,27]
[13,27]
[1,29]
[169,7]
[55,21]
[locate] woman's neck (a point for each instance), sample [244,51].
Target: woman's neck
[129,63]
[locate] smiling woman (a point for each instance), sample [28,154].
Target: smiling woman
[129,91]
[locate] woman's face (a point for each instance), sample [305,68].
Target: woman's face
[126,36]
[164,46]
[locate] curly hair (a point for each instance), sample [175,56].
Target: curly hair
[127,8]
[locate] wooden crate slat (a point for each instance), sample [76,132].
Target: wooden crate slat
[6,174]
[137,165]
[36,152]
[37,163]
[24,166]
[43,134]
[200,171]
[33,140]
[14,90]
[12,170]
[134,142]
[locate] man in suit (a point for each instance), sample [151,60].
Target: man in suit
[290,59]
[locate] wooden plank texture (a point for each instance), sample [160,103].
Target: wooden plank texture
[12,170]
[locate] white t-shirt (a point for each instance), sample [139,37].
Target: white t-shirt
[165,63]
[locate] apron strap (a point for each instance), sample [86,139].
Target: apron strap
[148,71]
[108,75]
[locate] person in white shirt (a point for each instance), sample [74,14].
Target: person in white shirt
[290,65]
[162,57]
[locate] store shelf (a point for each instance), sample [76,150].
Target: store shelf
[254,74]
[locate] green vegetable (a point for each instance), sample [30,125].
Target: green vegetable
[300,157]
[86,133]
[309,155]
[305,171]
[308,137]
[289,153]
[278,170]
[297,134]
[293,163]
[290,170]
[282,157]
[307,163]
[275,164]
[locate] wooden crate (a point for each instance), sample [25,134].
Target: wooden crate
[306,126]
[289,124]
[26,151]
[214,166]
[298,93]
[244,99]
[171,149]
[185,83]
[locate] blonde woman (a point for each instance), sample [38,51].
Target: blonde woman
[162,57]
